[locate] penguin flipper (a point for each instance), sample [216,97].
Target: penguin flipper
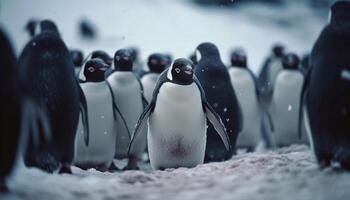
[213,117]
[84,114]
[34,118]
[218,125]
[140,126]
[116,109]
[144,101]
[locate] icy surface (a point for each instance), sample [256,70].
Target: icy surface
[287,173]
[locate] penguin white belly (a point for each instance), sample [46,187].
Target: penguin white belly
[101,148]
[284,107]
[177,128]
[149,82]
[244,86]
[127,93]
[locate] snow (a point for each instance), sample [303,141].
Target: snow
[286,173]
[174,26]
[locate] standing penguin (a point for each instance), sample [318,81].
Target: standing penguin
[284,106]
[102,112]
[19,115]
[245,84]
[216,83]
[325,95]
[269,72]
[96,54]
[47,68]
[78,58]
[175,137]
[157,63]
[128,90]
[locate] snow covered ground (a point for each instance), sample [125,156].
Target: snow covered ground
[287,173]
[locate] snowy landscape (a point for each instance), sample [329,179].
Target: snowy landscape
[287,173]
[178,26]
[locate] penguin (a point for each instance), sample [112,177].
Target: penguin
[78,58]
[102,111]
[215,80]
[268,73]
[47,68]
[32,27]
[244,83]
[96,54]
[284,106]
[176,120]
[325,96]
[127,88]
[157,63]
[20,116]
[87,30]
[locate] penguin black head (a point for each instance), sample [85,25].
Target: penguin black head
[123,60]
[340,12]
[157,62]
[278,50]
[48,26]
[291,61]
[31,27]
[181,72]
[95,69]
[103,56]
[206,50]
[77,57]
[239,58]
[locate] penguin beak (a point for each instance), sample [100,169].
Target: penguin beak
[188,70]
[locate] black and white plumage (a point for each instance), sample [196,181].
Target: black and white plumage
[284,106]
[48,71]
[216,83]
[325,96]
[176,119]
[127,89]
[157,63]
[102,115]
[245,84]
[96,54]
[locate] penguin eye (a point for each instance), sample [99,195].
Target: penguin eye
[177,70]
[91,69]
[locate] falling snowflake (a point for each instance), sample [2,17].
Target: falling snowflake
[290,107]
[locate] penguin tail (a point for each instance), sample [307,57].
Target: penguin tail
[46,162]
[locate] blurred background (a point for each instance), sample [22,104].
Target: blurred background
[174,26]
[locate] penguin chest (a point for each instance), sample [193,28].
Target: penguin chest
[177,127]
[244,87]
[284,107]
[101,124]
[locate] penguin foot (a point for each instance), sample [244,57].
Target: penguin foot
[65,169]
[113,168]
[3,187]
[132,164]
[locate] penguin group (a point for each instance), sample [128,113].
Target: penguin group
[59,108]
